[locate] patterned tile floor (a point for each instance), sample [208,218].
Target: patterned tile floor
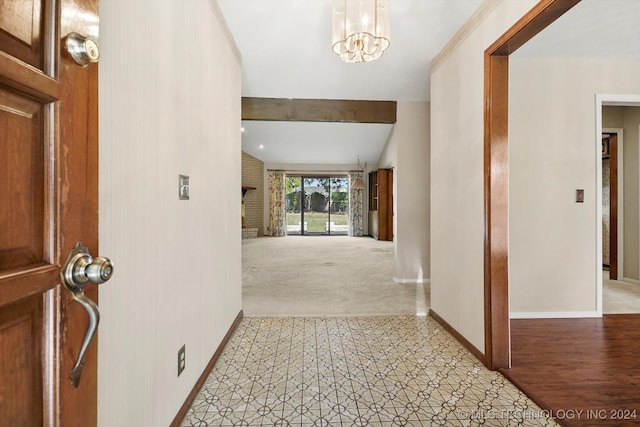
[355,371]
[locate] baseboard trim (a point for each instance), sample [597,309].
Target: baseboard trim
[466,343]
[626,279]
[396,280]
[205,374]
[554,314]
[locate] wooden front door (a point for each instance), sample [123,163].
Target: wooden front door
[48,201]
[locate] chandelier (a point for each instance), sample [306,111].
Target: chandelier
[360,29]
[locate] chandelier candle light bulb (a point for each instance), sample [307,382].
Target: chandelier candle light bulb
[360,29]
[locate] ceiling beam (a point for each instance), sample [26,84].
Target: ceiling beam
[318,110]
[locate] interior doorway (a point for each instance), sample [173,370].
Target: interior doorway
[620,290]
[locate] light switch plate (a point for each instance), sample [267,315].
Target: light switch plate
[183,187]
[182,359]
[579,196]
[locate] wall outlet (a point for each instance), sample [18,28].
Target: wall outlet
[182,360]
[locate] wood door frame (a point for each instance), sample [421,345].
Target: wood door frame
[613,204]
[496,175]
[383,204]
[616,201]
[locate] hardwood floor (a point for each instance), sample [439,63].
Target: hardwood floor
[585,371]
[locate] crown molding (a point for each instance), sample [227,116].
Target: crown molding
[472,23]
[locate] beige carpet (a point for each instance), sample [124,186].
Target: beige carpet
[325,276]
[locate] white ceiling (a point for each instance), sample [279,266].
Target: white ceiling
[286,49]
[591,29]
[288,142]
[286,53]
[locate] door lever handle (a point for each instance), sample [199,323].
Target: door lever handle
[94,319]
[80,270]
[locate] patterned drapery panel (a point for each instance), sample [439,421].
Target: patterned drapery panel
[356,197]
[276,203]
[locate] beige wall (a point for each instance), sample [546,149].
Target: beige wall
[407,151]
[253,176]
[389,154]
[553,150]
[162,114]
[612,117]
[457,219]
[628,119]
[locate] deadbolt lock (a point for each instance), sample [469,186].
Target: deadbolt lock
[83,50]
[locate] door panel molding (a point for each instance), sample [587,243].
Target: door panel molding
[22,338]
[21,30]
[22,172]
[28,80]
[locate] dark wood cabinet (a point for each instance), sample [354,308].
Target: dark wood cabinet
[381,204]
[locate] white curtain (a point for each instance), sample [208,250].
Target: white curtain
[356,208]
[277,203]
